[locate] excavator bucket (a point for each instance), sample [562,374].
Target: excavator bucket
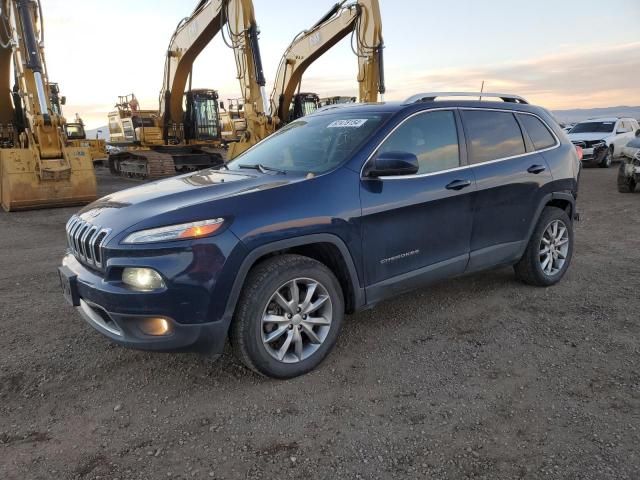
[26,185]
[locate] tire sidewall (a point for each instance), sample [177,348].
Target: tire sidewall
[252,333]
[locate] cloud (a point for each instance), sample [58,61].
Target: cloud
[579,79]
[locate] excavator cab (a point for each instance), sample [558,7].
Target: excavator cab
[75,131]
[303,104]
[201,116]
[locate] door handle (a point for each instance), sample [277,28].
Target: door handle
[536,169]
[458,184]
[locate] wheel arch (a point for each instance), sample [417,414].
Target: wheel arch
[327,248]
[562,200]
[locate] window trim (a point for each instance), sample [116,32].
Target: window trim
[461,167]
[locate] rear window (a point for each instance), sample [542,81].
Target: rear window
[492,135]
[538,132]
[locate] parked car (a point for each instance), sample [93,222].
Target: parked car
[629,171]
[332,214]
[604,136]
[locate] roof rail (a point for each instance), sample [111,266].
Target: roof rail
[431,96]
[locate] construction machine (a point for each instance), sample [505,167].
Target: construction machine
[232,120]
[363,21]
[74,131]
[37,168]
[360,18]
[185,133]
[336,100]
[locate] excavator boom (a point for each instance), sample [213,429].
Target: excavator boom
[361,19]
[194,33]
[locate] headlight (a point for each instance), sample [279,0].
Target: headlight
[142,278]
[182,231]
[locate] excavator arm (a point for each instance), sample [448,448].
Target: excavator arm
[362,19]
[194,33]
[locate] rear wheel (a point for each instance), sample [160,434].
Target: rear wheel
[549,251]
[626,184]
[288,316]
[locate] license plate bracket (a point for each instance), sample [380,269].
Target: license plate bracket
[69,285]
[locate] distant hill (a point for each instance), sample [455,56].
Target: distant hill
[580,114]
[104,132]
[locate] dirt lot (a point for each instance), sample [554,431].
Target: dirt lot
[478,377]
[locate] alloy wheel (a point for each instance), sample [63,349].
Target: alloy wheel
[554,247]
[296,320]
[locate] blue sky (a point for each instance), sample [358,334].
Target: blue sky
[562,54]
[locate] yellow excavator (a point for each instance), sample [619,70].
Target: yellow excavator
[363,21]
[74,131]
[37,168]
[156,144]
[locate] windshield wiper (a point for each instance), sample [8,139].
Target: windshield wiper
[262,168]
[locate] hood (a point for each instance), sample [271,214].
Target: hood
[587,136]
[126,208]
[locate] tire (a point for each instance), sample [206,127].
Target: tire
[531,268]
[606,161]
[625,184]
[249,332]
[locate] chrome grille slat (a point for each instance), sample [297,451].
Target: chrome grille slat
[85,241]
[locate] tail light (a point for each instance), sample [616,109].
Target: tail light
[579,152]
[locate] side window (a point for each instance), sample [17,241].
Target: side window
[432,137]
[538,132]
[492,135]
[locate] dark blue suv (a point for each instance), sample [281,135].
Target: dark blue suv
[333,213]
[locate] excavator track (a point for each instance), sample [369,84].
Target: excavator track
[142,164]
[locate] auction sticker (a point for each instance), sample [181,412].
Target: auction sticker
[354,123]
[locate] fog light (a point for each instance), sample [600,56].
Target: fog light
[142,278]
[155,326]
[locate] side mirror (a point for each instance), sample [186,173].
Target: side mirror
[63,100]
[221,105]
[389,164]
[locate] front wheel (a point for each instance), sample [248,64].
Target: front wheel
[288,316]
[608,158]
[549,251]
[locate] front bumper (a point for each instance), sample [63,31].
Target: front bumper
[120,314]
[594,155]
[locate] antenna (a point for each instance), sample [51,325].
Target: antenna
[481,90]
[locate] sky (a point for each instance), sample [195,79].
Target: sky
[557,53]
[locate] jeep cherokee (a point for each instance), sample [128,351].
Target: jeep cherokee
[333,213]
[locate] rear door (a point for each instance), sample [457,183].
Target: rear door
[416,228]
[510,175]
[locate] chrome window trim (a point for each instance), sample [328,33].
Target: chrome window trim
[462,167]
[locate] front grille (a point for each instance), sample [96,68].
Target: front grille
[588,143]
[85,241]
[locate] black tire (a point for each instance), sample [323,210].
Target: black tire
[263,281]
[625,184]
[608,159]
[529,269]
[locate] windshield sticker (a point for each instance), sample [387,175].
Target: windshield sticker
[355,123]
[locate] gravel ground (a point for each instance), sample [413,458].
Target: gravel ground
[477,377]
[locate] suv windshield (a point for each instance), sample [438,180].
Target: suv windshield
[312,144]
[593,127]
